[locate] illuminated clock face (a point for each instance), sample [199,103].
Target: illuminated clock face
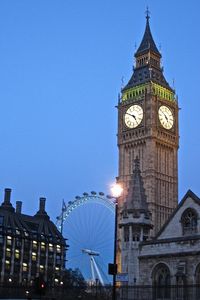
[166,117]
[133,116]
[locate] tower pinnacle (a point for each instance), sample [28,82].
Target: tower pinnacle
[147,66]
[147,43]
[147,14]
[136,198]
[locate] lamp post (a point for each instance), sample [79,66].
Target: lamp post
[116,191]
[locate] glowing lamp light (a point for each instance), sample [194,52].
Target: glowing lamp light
[116,190]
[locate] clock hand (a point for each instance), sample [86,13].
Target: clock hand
[165,116]
[134,117]
[131,116]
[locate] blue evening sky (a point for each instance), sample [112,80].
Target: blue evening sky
[61,64]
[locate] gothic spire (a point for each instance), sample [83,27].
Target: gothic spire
[136,198]
[147,63]
[147,43]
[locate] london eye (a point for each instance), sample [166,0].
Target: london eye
[88,224]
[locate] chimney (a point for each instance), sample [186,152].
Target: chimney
[42,205]
[6,203]
[41,212]
[7,196]
[18,207]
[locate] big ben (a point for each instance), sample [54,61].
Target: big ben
[148,129]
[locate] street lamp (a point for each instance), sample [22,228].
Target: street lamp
[116,191]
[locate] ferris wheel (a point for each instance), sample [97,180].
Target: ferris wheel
[88,223]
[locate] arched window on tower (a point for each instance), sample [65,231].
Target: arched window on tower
[189,221]
[161,282]
[126,233]
[135,233]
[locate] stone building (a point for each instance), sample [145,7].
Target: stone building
[158,239]
[172,257]
[30,246]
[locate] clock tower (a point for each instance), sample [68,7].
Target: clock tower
[148,129]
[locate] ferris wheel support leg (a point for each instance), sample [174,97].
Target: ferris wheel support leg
[92,269]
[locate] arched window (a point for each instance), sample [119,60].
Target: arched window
[161,282]
[189,221]
[126,233]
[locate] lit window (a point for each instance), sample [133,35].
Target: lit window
[34,256]
[42,246]
[58,248]
[41,268]
[56,279]
[7,266]
[57,268]
[9,240]
[50,247]
[8,252]
[25,267]
[34,245]
[17,254]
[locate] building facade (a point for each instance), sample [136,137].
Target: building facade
[158,239]
[30,246]
[173,257]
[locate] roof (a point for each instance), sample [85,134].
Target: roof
[36,226]
[189,194]
[147,43]
[146,74]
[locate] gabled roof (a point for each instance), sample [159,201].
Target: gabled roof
[189,194]
[147,43]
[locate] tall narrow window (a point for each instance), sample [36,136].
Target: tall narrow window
[126,234]
[189,221]
[161,282]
